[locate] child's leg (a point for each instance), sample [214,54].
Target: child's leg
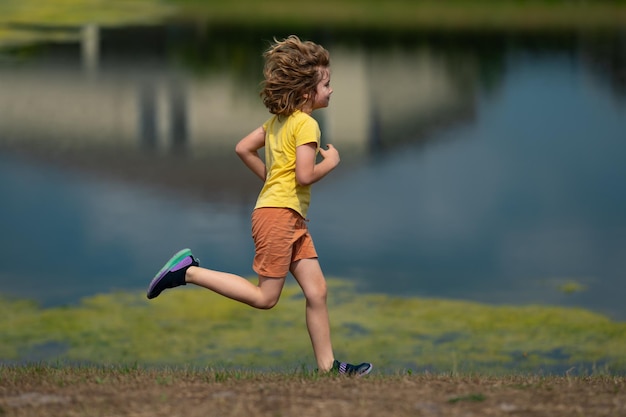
[309,275]
[265,295]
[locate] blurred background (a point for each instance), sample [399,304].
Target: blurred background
[482,145]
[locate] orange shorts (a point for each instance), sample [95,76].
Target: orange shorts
[281,237]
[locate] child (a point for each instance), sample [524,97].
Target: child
[297,81]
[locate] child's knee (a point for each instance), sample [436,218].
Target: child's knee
[266,303]
[317,296]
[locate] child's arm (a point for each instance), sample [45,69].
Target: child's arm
[307,171]
[247,149]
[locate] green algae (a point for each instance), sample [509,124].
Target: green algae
[192,326]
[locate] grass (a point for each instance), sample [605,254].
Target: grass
[396,333]
[32,21]
[64,390]
[412,14]
[21,21]
[469,397]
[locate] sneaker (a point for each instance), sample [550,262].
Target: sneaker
[172,274]
[352,370]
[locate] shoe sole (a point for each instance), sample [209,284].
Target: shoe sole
[179,256]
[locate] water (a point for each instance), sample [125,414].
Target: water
[480,167]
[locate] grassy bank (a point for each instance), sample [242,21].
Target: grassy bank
[413,14]
[191,326]
[133,391]
[26,21]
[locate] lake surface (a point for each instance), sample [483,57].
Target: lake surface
[486,167]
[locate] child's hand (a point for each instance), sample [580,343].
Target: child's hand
[331,154]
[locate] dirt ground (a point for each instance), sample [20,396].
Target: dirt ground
[54,393]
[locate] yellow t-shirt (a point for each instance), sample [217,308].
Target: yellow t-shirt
[282,137]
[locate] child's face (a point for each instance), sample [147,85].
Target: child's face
[323,91]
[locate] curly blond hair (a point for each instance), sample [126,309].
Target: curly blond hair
[293,68]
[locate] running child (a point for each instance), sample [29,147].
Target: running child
[297,82]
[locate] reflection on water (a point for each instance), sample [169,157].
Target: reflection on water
[485,167]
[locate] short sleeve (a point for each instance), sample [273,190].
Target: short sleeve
[307,131]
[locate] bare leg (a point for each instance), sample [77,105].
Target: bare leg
[309,275]
[265,295]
